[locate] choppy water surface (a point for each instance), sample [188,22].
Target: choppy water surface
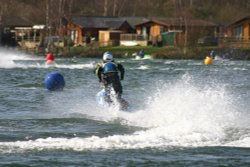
[182,113]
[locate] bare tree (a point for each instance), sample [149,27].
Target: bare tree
[70,4]
[114,7]
[47,17]
[121,7]
[105,8]
[134,8]
[183,11]
[212,10]
[6,7]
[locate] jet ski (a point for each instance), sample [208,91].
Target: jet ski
[107,98]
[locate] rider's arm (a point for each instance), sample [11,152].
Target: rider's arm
[121,69]
[98,71]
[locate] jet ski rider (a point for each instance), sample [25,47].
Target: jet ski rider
[110,72]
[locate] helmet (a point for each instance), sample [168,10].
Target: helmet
[107,56]
[109,68]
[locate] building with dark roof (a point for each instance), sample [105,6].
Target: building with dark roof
[237,34]
[19,31]
[82,29]
[174,29]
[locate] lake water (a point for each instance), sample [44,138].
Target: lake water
[182,113]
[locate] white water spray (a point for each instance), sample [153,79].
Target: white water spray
[10,58]
[181,114]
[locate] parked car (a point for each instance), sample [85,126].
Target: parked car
[208,41]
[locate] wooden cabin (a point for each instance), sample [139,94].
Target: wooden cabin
[86,30]
[136,30]
[19,32]
[172,31]
[29,37]
[237,34]
[109,38]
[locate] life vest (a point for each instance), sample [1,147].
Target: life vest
[109,67]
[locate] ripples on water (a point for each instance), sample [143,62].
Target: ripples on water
[181,113]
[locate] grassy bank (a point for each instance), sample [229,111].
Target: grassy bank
[160,52]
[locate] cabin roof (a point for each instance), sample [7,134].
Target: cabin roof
[107,21]
[116,22]
[240,20]
[177,22]
[99,22]
[17,21]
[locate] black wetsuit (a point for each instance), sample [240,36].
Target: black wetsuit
[111,77]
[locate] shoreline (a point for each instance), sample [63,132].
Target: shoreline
[195,53]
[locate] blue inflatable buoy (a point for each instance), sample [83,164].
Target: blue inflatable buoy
[54,81]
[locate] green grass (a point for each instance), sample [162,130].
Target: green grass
[198,52]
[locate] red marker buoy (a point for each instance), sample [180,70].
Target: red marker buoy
[49,62]
[50,56]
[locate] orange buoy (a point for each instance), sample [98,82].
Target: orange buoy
[208,60]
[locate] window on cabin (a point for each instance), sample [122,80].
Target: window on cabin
[114,35]
[144,31]
[162,29]
[6,30]
[238,33]
[248,32]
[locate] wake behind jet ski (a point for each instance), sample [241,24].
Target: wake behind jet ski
[108,98]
